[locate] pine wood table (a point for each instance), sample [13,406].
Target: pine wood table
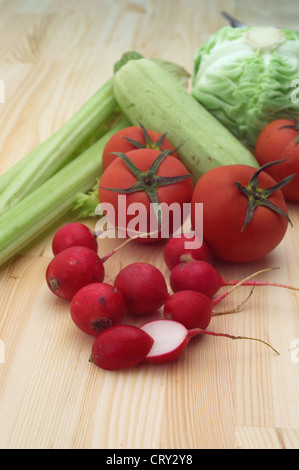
[220,393]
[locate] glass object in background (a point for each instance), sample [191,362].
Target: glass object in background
[279,13]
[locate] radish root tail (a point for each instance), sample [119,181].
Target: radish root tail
[235,309]
[226,335]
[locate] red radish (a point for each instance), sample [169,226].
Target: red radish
[191,308]
[143,287]
[96,307]
[74,234]
[177,250]
[171,339]
[120,346]
[194,309]
[201,276]
[74,268]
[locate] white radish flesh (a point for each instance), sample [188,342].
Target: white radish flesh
[170,339]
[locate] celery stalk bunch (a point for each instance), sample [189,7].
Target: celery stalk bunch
[44,185]
[84,128]
[51,200]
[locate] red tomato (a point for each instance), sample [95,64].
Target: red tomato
[120,177]
[119,143]
[277,142]
[224,212]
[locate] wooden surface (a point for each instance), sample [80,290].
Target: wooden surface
[220,393]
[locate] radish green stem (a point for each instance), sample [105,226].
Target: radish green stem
[54,198]
[86,126]
[240,283]
[263,283]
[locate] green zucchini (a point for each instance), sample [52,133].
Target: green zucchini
[148,93]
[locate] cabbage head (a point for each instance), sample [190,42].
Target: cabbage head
[247,77]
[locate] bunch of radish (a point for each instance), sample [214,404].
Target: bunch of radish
[99,309]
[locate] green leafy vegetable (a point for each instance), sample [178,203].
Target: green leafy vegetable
[246,77]
[85,204]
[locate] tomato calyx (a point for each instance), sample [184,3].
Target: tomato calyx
[294,126]
[148,181]
[259,196]
[149,143]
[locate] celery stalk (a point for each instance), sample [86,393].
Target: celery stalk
[88,124]
[51,200]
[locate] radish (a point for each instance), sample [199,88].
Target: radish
[74,234]
[96,307]
[176,250]
[201,276]
[143,287]
[171,339]
[191,308]
[72,269]
[120,346]
[75,267]
[194,309]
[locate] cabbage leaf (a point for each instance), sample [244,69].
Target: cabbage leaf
[247,77]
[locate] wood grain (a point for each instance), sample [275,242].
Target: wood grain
[221,393]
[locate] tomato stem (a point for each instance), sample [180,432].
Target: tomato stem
[149,143]
[294,126]
[148,181]
[259,196]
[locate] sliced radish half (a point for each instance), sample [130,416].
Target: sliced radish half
[170,340]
